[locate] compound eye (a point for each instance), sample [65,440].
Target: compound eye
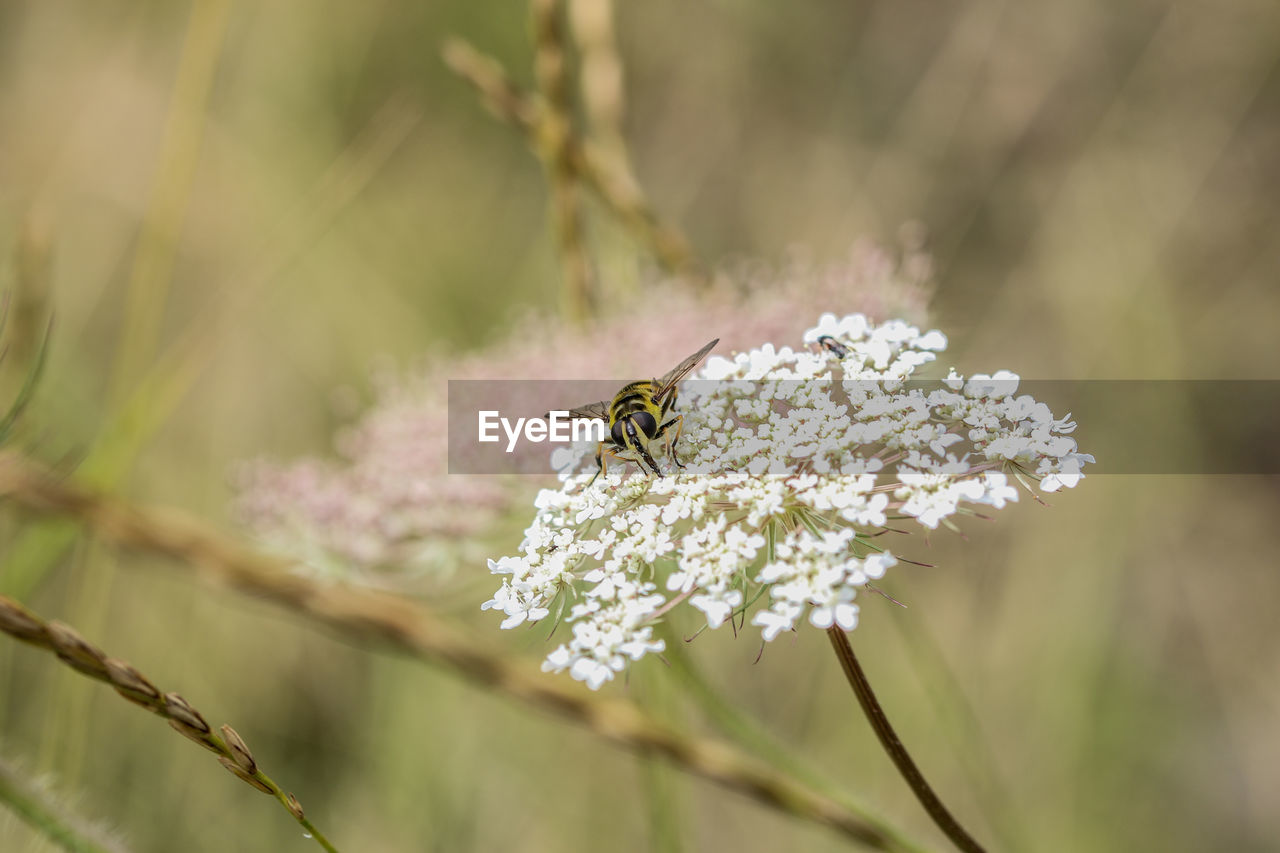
[645,423]
[618,431]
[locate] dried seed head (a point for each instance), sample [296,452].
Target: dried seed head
[16,621]
[239,750]
[295,807]
[235,768]
[194,734]
[180,710]
[187,721]
[76,651]
[133,685]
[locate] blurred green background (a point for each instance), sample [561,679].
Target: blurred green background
[300,189]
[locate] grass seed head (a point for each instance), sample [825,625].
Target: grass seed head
[295,807]
[76,651]
[133,685]
[243,776]
[239,750]
[16,621]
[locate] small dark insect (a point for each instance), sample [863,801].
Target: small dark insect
[832,345]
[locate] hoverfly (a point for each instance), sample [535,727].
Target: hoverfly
[637,417]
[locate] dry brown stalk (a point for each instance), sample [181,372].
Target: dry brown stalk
[553,143]
[87,659]
[408,627]
[600,72]
[614,185]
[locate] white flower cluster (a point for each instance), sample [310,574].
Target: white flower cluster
[794,460]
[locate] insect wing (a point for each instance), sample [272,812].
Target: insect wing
[595,411]
[681,370]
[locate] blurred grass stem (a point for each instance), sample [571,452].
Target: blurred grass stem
[600,73]
[30,382]
[663,790]
[952,705]
[893,745]
[602,97]
[86,659]
[38,809]
[615,187]
[553,142]
[153,261]
[32,293]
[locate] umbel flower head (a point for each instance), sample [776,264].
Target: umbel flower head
[795,460]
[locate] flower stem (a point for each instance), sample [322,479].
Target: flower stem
[892,745]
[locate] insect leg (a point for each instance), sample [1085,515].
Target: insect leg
[599,463]
[678,422]
[670,403]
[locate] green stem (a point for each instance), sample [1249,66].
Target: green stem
[659,778]
[892,745]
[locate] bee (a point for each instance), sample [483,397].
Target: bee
[637,417]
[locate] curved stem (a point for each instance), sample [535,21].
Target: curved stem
[892,745]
